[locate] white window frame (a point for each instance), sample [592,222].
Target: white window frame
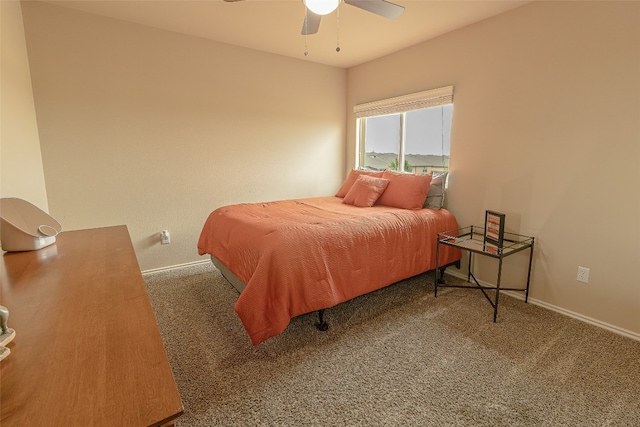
[396,105]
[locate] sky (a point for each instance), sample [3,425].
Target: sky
[424,133]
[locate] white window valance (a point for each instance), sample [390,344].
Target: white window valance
[400,104]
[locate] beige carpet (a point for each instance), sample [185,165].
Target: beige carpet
[397,357]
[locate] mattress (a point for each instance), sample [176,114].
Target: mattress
[302,255]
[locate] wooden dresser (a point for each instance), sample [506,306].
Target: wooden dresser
[87,350]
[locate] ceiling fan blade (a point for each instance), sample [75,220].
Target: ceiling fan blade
[311,23]
[232,1]
[379,7]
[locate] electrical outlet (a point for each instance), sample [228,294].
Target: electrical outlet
[165,237]
[583,274]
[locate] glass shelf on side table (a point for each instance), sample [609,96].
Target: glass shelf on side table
[471,239]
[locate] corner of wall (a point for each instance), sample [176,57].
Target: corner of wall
[22,171]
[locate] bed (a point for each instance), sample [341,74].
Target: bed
[291,257]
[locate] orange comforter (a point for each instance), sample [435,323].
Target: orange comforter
[303,255]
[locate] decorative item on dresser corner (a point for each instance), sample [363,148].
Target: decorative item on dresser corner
[6,333]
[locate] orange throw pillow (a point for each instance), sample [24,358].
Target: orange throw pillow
[405,190]
[365,191]
[351,178]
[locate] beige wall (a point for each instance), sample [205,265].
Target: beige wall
[154,130]
[546,128]
[21,172]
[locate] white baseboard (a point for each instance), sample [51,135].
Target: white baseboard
[176,267]
[578,316]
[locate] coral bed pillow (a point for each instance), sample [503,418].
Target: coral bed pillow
[351,179]
[365,191]
[405,190]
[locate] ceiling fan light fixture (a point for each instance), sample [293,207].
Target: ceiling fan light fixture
[321,7]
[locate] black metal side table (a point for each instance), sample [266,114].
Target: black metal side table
[471,239]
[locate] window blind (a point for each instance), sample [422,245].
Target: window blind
[400,104]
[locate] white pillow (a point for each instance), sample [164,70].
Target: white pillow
[435,196]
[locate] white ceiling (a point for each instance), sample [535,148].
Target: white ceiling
[274,25]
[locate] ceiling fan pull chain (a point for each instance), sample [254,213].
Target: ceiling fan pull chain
[338,29]
[306,52]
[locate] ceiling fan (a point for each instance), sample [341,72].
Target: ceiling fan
[317,8]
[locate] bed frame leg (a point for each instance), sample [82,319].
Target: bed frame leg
[441,274]
[442,269]
[321,325]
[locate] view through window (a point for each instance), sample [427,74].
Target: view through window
[416,141]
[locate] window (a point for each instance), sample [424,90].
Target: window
[410,133]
